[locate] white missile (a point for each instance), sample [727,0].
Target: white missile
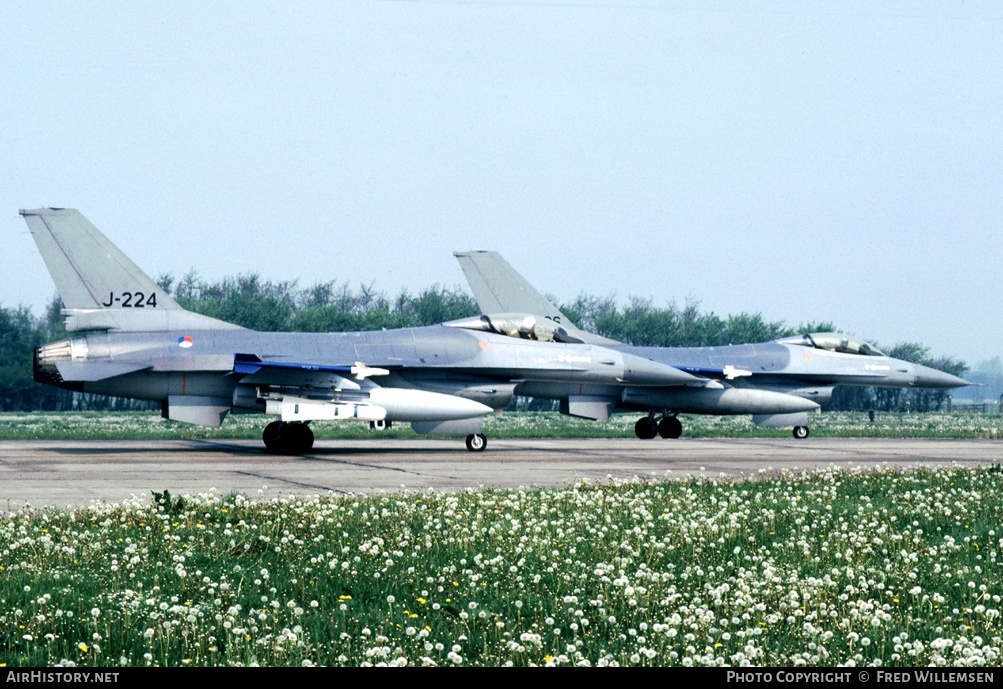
[392,404]
[361,371]
[302,409]
[731,373]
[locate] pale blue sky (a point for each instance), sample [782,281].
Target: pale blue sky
[806,160]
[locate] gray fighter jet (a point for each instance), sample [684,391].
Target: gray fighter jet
[136,341]
[777,382]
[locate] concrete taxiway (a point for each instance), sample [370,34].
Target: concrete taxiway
[77,472]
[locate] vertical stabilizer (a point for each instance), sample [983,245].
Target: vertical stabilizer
[101,288]
[89,271]
[498,288]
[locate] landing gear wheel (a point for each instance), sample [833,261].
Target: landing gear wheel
[273,437]
[287,438]
[271,431]
[645,428]
[476,442]
[800,432]
[300,438]
[670,427]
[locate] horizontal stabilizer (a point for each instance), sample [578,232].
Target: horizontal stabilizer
[90,371]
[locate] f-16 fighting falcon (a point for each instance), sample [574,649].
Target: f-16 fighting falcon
[777,382]
[136,341]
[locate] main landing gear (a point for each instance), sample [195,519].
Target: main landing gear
[287,438]
[665,426]
[296,438]
[670,427]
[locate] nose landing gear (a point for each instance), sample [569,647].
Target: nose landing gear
[476,442]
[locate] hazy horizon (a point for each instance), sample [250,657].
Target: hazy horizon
[802,160]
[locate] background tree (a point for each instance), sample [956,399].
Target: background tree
[249,301]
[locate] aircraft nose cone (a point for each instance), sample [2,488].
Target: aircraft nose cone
[640,371]
[927,377]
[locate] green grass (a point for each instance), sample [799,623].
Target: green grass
[144,425]
[859,568]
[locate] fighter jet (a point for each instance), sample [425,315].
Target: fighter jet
[136,341]
[777,382]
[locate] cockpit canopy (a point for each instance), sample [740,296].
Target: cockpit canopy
[521,325]
[833,342]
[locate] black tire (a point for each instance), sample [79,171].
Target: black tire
[801,432]
[645,429]
[287,438]
[476,442]
[300,438]
[273,437]
[670,427]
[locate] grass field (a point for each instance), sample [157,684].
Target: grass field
[853,568]
[111,425]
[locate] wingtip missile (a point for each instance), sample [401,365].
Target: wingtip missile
[361,371]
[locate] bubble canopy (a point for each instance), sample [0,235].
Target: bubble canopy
[833,342]
[520,325]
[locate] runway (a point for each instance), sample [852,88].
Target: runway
[77,472]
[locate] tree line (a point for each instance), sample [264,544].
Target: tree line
[258,304]
[990,374]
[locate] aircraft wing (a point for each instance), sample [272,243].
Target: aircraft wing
[255,371]
[728,372]
[297,391]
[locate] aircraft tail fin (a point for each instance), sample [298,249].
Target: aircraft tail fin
[101,288]
[499,288]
